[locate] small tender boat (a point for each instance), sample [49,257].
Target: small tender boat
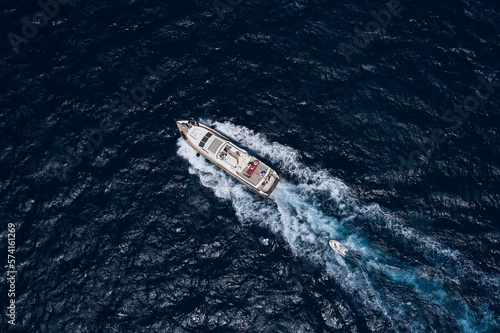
[219,150]
[338,247]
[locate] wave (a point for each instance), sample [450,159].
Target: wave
[312,206]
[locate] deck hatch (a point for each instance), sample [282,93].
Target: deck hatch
[214,145]
[205,139]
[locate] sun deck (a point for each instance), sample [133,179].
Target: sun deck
[259,173]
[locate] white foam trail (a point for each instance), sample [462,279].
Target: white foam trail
[296,214]
[314,182]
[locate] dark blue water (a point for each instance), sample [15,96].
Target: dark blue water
[386,140]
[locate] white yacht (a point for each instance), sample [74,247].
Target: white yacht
[219,150]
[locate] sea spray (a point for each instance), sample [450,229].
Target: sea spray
[406,296]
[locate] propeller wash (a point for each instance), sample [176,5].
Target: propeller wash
[311,205]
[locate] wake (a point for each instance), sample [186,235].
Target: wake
[312,206]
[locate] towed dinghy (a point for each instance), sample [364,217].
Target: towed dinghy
[338,247]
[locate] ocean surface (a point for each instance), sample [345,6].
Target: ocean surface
[382,118]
